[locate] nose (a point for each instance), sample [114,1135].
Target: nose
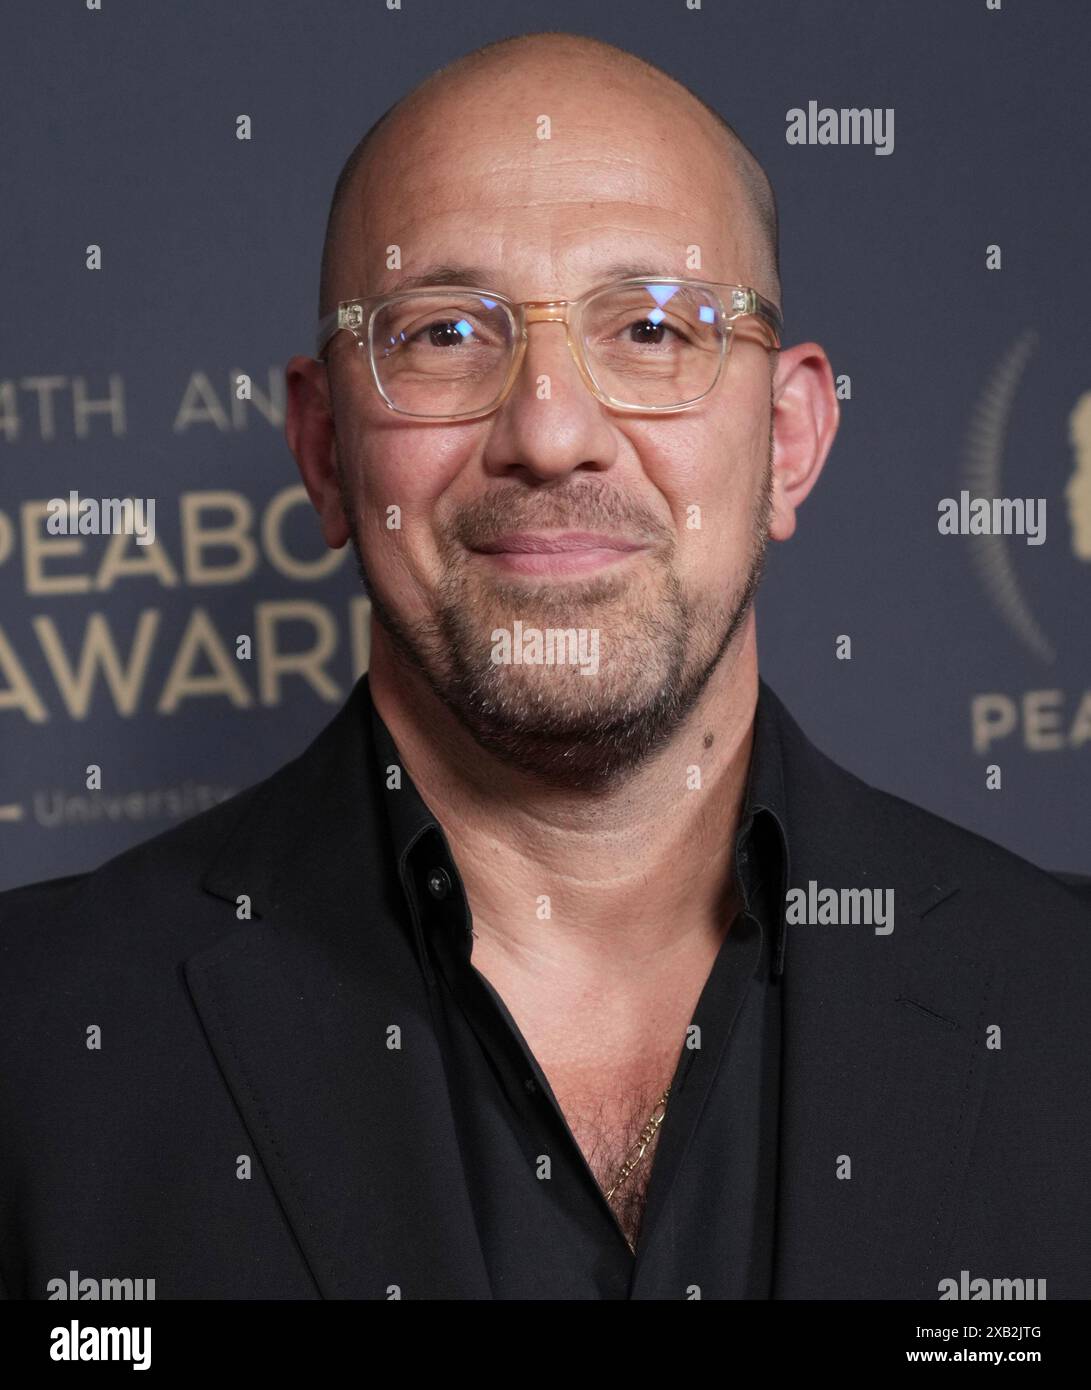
[551,424]
[549,366]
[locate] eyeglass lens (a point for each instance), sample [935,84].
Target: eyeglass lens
[442,352]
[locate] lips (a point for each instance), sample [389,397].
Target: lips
[554,543]
[555,554]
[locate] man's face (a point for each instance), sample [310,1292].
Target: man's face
[679,501]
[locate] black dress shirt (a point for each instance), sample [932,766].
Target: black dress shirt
[336,1036]
[707,1229]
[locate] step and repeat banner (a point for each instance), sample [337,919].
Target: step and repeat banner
[172,627]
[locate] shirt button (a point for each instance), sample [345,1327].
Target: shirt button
[439,882]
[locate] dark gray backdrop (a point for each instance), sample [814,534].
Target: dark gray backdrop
[119,130]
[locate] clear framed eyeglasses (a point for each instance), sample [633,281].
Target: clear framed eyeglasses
[453,352]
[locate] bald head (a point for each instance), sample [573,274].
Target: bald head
[546,64]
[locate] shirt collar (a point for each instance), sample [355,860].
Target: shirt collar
[761,845]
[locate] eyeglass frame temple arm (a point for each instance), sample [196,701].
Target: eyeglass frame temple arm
[757,307]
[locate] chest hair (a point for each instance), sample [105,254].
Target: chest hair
[607,1131]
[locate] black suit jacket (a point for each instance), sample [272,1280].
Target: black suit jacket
[223,1038]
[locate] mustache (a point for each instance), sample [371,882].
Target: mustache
[571,508]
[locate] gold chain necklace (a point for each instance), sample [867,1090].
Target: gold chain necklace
[636,1153]
[647,1134]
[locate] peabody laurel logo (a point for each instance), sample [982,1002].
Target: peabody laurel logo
[1004,523]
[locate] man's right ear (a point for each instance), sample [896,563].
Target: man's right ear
[309,431]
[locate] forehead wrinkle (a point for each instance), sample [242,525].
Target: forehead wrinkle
[565,179]
[486,152]
[641,114]
[440,245]
[611,217]
[422,158]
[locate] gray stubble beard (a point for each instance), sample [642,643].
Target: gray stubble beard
[569,744]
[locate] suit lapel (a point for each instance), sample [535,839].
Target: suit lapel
[883,1042]
[356,1137]
[884,1060]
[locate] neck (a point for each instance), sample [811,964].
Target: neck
[632,874]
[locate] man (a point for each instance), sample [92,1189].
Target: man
[561,965]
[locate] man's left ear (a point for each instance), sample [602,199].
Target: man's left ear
[805,419]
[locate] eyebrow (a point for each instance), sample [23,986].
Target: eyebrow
[484,278]
[442,275]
